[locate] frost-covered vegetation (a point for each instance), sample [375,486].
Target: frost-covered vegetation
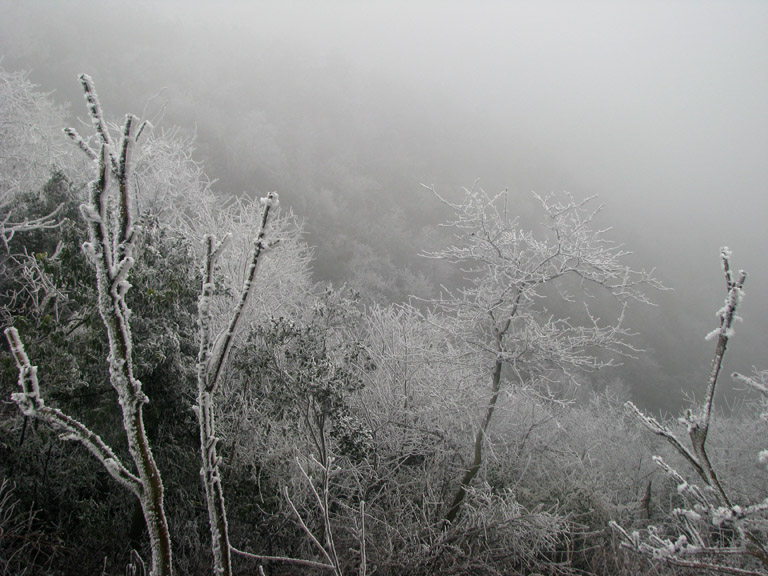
[244,420]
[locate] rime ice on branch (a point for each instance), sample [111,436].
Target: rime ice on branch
[109,248]
[211,361]
[711,508]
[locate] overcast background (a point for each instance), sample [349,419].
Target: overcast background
[660,108]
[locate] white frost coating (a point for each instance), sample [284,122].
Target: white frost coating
[690,515]
[123,287]
[720,515]
[90,213]
[271,199]
[112,467]
[211,358]
[28,399]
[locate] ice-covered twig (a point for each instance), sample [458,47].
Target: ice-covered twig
[9,229]
[223,343]
[328,549]
[758,382]
[109,248]
[660,430]
[210,474]
[32,405]
[727,315]
[678,553]
[283,560]
[97,116]
[307,531]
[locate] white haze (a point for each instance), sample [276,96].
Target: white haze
[660,108]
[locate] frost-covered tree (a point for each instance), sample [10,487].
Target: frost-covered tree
[29,146]
[713,531]
[111,234]
[519,312]
[419,402]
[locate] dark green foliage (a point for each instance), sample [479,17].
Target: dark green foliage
[305,373]
[49,294]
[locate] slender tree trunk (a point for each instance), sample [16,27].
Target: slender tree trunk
[214,494]
[477,459]
[212,357]
[151,496]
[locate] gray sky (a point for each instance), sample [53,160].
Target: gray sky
[660,107]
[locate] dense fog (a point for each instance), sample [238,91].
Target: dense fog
[347,108]
[383,288]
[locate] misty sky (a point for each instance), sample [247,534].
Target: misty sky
[660,108]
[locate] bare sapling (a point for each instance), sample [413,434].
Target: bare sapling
[711,532]
[111,235]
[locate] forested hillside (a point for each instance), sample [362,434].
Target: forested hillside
[180,395]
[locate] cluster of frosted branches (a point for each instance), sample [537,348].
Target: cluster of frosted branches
[28,146]
[170,183]
[516,278]
[512,271]
[28,150]
[322,539]
[10,227]
[712,532]
[491,242]
[328,546]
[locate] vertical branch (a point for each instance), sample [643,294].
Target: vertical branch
[361,538]
[123,171]
[326,507]
[109,247]
[97,117]
[698,429]
[209,472]
[727,314]
[482,429]
[224,340]
[211,360]
[329,548]
[477,453]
